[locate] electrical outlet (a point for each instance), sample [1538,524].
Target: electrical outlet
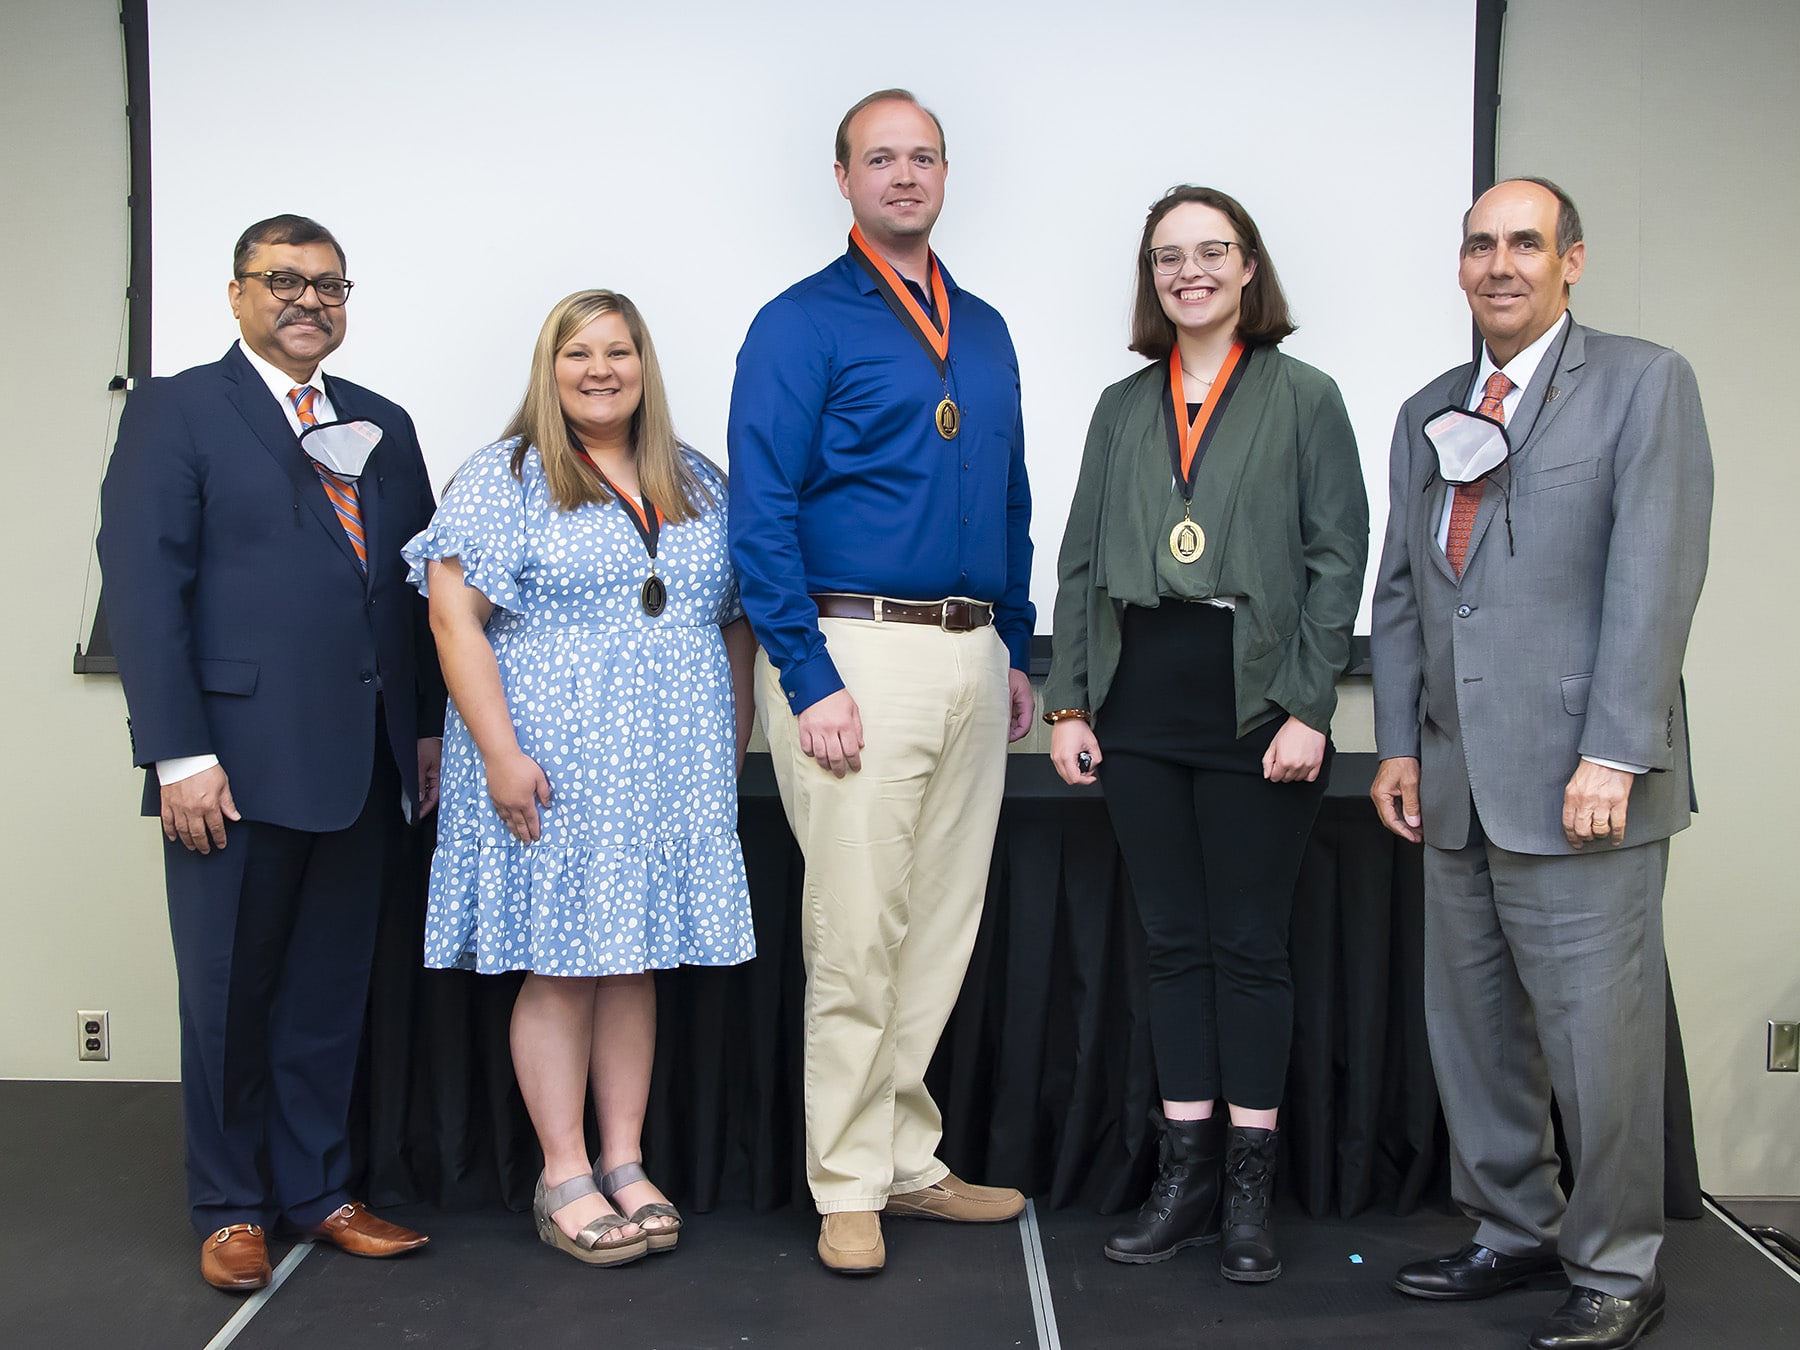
[93,1035]
[1784,1047]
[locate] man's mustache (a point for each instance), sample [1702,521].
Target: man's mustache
[294,314]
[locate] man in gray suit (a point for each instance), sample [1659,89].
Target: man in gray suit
[1528,638]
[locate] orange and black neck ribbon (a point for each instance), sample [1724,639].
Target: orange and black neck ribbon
[645,515]
[1190,436]
[933,337]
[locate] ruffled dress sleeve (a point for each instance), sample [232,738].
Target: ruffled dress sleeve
[481,522]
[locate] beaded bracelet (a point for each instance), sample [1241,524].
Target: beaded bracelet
[1064,714]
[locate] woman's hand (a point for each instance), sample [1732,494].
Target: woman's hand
[1068,738]
[517,786]
[1296,753]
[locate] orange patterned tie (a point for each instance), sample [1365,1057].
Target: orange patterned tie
[343,494]
[1468,495]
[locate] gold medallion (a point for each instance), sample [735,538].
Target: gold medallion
[948,420]
[1187,541]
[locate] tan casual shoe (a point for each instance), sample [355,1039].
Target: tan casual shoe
[850,1242]
[957,1201]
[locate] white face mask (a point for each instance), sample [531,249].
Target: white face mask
[342,447]
[1469,446]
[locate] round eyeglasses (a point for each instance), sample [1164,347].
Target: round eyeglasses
[1209,255]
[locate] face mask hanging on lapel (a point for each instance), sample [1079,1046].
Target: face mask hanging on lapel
[342,447]
[1470,447]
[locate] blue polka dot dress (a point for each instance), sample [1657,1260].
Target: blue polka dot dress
[631,719]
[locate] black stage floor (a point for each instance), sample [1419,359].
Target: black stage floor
[95,1252]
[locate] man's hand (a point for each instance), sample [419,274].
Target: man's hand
[1068,738]
[431,763]
[1296,753]
[1023,707]
[517,786]
[194,811]
[1395,793]
[831,732]
[1594,804]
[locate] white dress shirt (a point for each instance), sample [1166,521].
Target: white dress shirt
[1519,370]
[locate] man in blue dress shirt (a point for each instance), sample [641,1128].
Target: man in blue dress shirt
[880,525]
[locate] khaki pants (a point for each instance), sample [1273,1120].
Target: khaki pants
[896,868]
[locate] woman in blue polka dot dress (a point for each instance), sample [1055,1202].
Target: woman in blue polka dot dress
[588,625]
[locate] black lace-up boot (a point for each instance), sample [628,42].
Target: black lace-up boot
[1249,1253]
[1183,1208]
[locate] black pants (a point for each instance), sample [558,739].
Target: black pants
[1213,850]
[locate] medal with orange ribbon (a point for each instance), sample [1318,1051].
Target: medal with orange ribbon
[934,337]
[647,519]
[1189,438]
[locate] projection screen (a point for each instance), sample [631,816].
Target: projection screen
[479,161]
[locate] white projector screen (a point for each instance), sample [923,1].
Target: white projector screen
[478,161]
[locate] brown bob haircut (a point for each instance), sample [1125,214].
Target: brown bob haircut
[1263,317]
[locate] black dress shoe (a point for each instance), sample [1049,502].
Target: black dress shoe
[1473,1272]
[1591,1320]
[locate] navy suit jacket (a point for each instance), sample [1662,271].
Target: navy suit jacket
[243,626]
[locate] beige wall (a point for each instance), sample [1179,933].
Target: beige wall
[82,896]
[1670,126]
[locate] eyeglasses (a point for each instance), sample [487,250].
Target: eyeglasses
[1209,256]
[332,291]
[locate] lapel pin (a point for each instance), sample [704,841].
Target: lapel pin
[1553,395]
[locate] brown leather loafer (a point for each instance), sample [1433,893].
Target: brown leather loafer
[957,1201]
[850,1242]
[351,1228]
[236,1259]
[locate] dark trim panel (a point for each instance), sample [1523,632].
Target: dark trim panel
[97,657]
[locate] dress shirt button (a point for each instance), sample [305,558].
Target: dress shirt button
[1463,611]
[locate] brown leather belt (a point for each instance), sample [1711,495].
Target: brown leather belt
[953,616]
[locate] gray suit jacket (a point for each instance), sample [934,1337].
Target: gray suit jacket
[1570,641]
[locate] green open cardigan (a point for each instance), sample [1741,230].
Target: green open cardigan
[1280,496]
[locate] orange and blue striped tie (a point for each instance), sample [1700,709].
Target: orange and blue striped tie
[343,494]
[1468,495]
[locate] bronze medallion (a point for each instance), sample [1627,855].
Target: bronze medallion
[653,596]
[949,420]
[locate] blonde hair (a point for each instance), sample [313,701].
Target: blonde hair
[664,475]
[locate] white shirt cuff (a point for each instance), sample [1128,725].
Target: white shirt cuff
[174,770]
[1615,764]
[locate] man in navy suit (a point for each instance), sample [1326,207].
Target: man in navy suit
[284,699]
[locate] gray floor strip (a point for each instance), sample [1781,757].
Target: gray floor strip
[1735,1226]
[254,1304]
[1043,1308]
